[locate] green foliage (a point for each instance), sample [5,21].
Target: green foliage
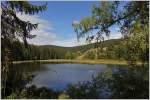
[63,96]
[91,54]
[107,14]
[26,7]
[12,96]
[33,92]
[130,83]
[12,26]
[34,52]
[137,45]
[83,90]
[132,21]
[123,82]
[70,55]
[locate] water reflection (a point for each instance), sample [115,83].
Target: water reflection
[119,82]
[96,81]
[30,67]
[125,82]
[132,82]
[58,76]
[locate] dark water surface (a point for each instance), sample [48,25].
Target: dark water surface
[58,76]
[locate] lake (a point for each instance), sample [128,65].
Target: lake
[58,76]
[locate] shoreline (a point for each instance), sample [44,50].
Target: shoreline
[57,61]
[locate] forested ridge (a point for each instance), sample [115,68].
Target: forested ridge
[109,49]
[44,52]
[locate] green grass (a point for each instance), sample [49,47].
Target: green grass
[100,61]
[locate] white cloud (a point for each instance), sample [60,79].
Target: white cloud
[43,32]
[76,22]
[69,42]
[42,38]
[43,24]
[116,35]
[45,36]
[73,41]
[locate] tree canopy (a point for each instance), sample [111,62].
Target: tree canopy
[107,14]
[12,26]
[132,19]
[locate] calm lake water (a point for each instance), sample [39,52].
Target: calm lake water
[58,76]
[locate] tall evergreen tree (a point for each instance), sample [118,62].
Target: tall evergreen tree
[13,27]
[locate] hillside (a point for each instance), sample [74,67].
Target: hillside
[43,52]
[84,48]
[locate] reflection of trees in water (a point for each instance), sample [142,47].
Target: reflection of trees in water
[115,82]
[14,83]
[17,78]
[130,83]
[122,82]
[30,67]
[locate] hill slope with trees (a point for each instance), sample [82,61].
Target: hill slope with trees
[44,52]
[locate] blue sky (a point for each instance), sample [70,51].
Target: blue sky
[55,23]
[61,14]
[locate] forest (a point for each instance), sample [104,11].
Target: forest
[109,49]
[44,52]
[132,47]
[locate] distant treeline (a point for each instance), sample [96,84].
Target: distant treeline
[109,49]
[33,52]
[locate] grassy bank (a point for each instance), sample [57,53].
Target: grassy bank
[100,61]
